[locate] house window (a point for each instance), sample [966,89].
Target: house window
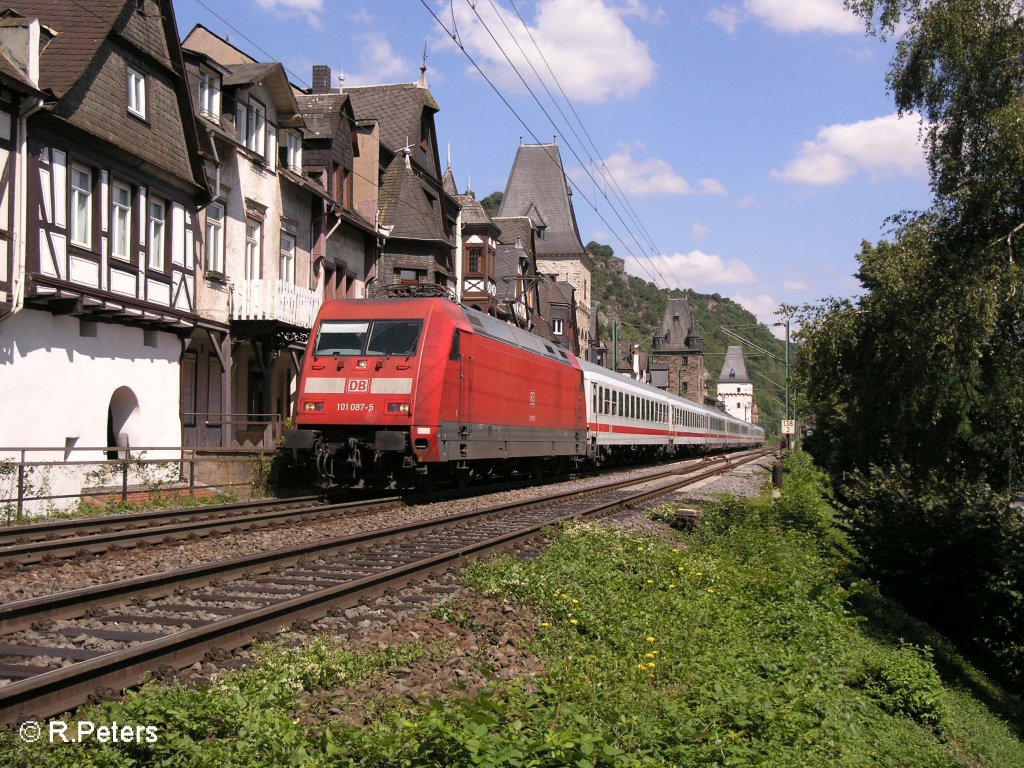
[293,157]
[476,261]
[558,326]
[407,276]
[121,220]
[252,250]
[288,258]
[215,238]
[136,93]
[209,95]
[157,213]
[81,206]
[251,126]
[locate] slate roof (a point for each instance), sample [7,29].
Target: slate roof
[321,111]
[404,203]
[399,109]
[515,229]
[678,331]
[734,370]
[537,187]
[473,212]
[80,33]
[275,80]
[72,67]
[448,182]
[12,75]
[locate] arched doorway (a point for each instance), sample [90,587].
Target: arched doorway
[122,421]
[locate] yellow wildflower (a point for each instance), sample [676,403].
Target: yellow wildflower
[545,624]
[650,581]
[671,586]
[575,602]
[650,665]
[711,589]
[698,573]
[651,639]
[573,621]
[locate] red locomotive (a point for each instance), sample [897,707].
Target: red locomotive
[410,390]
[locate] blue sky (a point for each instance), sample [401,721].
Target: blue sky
[753,141]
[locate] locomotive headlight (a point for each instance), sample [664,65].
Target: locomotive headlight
[398,408]
[311,406]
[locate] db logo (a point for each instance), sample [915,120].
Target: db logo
[358,385]
[533,399]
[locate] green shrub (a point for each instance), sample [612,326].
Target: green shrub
[904,681]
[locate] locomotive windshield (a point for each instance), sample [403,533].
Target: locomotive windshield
[361,337]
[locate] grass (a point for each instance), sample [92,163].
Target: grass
[751,642]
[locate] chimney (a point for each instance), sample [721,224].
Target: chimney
[22,40]
[321,78]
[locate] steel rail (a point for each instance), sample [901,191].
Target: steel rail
[18,534]
[58,690]
[36,551]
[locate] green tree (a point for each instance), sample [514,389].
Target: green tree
[492,203]
[916,387]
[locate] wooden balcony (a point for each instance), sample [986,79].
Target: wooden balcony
[274,300]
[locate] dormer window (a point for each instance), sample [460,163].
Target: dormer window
[293,151]
[209,95]
[136,93]
[251,125]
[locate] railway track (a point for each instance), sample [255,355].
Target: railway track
[62,539]
[35,543]
[58,650]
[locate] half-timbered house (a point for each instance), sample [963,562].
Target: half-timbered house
[104,198]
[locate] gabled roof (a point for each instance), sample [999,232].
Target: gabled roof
[537,184]
[678,331]
[734,370]
[320,111]
[410,204]
[399,110]
[272,76]
[515,230]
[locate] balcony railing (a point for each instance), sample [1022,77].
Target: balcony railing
[273,299]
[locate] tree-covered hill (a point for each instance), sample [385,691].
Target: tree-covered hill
[636,307]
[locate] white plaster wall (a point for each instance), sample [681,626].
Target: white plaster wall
[56,385]
[738,403]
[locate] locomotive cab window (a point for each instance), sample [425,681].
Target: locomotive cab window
[360,337]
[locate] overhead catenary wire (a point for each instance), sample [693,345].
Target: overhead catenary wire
[619,193]
[533,134]
[547,114]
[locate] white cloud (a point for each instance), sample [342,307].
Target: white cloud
[380,64]
[728,17]
[576,38]
[643,10]
[699,231]
[885,146]
[795,285]
[311,9]
[698,270]
[362,16]
[764,307]
[650,176]
[805,16]
[748,202]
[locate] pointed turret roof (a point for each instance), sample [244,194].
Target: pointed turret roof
[678,331]
[734,370]
[537,187]
[410,204]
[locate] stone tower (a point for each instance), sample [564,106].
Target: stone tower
[677,360]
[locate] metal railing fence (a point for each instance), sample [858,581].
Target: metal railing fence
[41,481]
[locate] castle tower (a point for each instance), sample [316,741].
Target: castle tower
[677,360]
[735,389]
